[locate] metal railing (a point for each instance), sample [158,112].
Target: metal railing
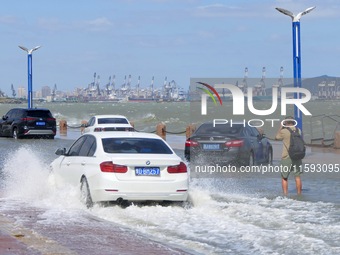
[326,133]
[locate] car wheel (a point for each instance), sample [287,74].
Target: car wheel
[251,159]
[15,133]
[270,157]
[85,195]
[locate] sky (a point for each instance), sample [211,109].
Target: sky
[177,39]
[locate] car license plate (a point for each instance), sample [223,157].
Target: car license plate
[40,123]
[147,171]
[211,146]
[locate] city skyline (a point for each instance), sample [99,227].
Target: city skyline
[177,39]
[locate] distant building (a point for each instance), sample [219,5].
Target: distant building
[45,91]
[37,94]
[22,93]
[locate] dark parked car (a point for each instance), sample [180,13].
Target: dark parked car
[233,144]
[20,122]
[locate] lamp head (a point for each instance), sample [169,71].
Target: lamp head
[23,48]
[29,51]
[295,18]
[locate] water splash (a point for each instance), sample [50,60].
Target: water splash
[25,174]
[27,177]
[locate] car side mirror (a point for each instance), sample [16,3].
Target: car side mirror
[4,117]
[61,151]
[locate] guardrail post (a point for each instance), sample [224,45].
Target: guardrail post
[82,125]
[63,127]
[190,129]
[337,140]
[132,124]
[161,130]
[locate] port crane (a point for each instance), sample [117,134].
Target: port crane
[260,88]
[54,92]
[13,91]
[138,85]
[244,84]
[279,83]
[98,86]
[110,86]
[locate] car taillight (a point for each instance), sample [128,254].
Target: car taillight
[50,119]
[28,119]
[98,130]
[234,143]
[190,143]
[181,168]
[109,167]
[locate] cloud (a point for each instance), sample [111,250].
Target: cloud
[7,19]
[99,24]
[215,10]
[215,6]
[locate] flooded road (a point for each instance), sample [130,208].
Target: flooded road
[234,215]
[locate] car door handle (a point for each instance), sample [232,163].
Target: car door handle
[83,163]
[68,163]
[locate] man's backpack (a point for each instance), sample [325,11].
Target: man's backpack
[297,148]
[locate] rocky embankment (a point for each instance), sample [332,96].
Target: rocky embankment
[7,100]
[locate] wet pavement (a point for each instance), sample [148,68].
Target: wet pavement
[94,236]
[20,232]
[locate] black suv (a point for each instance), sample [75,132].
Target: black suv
[20,122]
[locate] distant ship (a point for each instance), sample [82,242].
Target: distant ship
[142,99]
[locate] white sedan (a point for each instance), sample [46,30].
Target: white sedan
[100,123]
[122,166]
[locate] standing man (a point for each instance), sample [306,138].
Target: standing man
[288,165]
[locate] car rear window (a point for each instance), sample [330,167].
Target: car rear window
[117,129]
[39,114]
[112,121]
[219,129]
[135,146]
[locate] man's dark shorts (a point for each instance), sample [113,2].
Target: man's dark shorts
[289,166]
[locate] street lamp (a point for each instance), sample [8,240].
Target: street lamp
[29,67]
[296,56]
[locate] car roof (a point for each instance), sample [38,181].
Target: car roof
[120,134]
[109,116]
[31,109]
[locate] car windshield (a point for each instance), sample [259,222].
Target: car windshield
[135,145]
[112,121]
[39,114]
[219,129]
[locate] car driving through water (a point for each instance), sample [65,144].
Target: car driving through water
[101,123]
[122,166]
[238,144]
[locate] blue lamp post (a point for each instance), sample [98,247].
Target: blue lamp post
[29,67]
[296,56]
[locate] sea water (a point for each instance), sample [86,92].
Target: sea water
[234,214]
[178,115]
